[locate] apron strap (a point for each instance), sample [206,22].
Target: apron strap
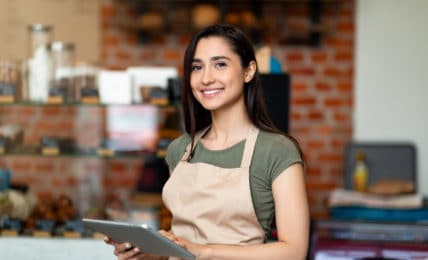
[189,149]
[249,147]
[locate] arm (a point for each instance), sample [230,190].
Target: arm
[292,219]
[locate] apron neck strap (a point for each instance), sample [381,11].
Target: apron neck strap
[189,150]
[249,147]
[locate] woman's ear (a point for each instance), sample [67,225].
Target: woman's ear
[250,71]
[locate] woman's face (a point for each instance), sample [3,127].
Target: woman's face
[217,76]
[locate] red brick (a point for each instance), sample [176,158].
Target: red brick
[117,166]
[343,56]
[339,143]
[131,39]
[184,39]
[322,86]
[330,157]
[345,27]
[123,55]
[171,55]
[342,117]
[108,11]
[324,130]
[305,101]
[319,57]
[339,43]
[299,86]
[299,131]
[316,115]
[297,10]
[111,41]
[345,86]
[45,166]
[320,186]
[302,71]
[25,111]
[334,102]
[295,116]
[315,144]
[21,165]
[320,214]
[294,57]
[338,72]
[313,171]
[50,111]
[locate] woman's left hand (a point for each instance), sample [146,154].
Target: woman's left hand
[200,251]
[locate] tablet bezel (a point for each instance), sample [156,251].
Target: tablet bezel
[148,240]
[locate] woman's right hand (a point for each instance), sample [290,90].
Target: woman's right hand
[125,251]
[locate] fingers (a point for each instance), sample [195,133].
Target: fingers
[133,253]
[124,251]
[122,248]
[172,237]
[109,241]
[167,234]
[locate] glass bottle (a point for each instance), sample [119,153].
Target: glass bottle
[360,172]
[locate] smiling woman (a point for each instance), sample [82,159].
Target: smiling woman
[233,172]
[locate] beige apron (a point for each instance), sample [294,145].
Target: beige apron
[213,205]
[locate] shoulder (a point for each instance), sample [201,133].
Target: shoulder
[179,143]
[274,153]
[176,150]
[275,142]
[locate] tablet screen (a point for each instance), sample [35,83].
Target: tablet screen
[148,240]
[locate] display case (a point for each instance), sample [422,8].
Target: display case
[97,155]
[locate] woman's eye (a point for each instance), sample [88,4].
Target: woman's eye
[220,64]
[196,67]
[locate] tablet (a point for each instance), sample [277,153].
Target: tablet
[148,240]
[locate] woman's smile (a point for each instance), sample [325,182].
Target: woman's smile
[213,92]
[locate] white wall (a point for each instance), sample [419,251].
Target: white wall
[391,82]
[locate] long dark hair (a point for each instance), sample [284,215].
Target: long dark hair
[196,117]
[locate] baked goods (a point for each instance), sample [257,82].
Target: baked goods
[391,187]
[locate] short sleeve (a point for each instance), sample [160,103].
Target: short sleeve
[274,153]
[176,150]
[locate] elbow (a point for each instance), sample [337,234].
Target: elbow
[295,251]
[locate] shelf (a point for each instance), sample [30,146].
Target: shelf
[261,20]
[40,104]
[93,153]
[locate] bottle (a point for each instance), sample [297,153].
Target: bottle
[360,172]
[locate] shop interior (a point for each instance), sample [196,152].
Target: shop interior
[90,101]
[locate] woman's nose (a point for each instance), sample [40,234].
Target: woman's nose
[207,77]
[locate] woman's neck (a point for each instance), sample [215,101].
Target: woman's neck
[228,128]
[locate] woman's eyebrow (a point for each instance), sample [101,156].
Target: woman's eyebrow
[215,58]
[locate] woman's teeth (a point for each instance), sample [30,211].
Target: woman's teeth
[211,91]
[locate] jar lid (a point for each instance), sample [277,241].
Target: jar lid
[39,27]
[60,46]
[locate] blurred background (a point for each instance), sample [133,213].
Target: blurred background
[89,94]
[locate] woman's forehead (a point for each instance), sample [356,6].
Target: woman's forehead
[213,46]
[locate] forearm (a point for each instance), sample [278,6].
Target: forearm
[274,250]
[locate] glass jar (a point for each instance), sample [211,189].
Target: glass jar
[40,36]
[38,68]
[62,61]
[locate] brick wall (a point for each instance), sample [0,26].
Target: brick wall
[322,86]
[321,109]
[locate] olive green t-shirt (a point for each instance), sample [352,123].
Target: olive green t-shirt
[272,155]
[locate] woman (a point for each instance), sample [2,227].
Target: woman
[233,172]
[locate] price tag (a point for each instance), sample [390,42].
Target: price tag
[105,152]
[7,99]
[50,150]
[55,100]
